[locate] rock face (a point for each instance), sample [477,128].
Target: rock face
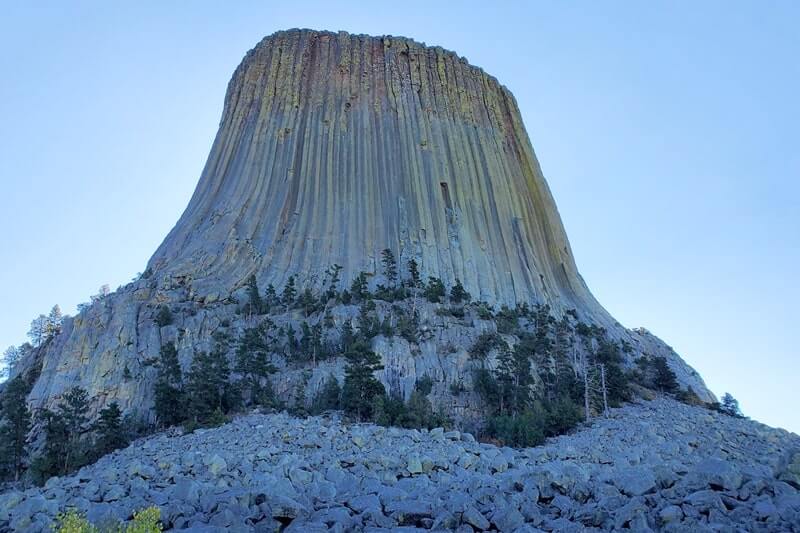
[659,465]
[331,148]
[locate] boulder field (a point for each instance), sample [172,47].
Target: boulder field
[658,465]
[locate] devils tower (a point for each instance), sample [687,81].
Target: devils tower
[332,148]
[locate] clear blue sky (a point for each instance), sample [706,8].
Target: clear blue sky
[668,133]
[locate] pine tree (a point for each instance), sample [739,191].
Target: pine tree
[730,406]
[38,331]
[361,387]
[64,429]
[434,291]
[253,364]
[458,294]
[333,283]
[289,292]
[389,267]
[164,316]
[110,434]
[359,288]
[415,280]
[208,387]
[271,299]
[14,429]
[170,396]
[664,378]
[54,321]
[256,303]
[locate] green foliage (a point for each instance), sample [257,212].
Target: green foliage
[333,281]
[65,449]
[359,287]
[664,379]
[458,294]
[730,406]
[308,302]
[368,323]
[434,290]
[208,387]
[408,326]
[14,429]
[110,432]
[164,316]
[485,343]
[414,279]
[271,299]
[253,363]
[483,311]
[170,396]
[417,413]
[521,430]
[608,354]
[256,303]
[360,385]
[147,520]
[389,267]
[289,292]
[507,320]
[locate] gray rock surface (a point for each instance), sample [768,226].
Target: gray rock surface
[657,465]
[331,148]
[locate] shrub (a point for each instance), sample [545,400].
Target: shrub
[434,291]
[485,343]
[164,316]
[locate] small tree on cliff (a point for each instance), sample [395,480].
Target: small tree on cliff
[110,434]
[170,397]
[256,303]
[389,267]
[458,294]
[14,428]
[360,385]
[289,292]
[664,378]
[64,428]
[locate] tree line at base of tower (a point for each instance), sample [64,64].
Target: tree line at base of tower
[557,373]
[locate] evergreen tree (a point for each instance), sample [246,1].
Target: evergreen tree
[664,378]
[458,294]
[348,336]
[164,316]
[256,303]
[38,331]
[359,288]
[289,292]
[208,387]
[11,357]
[333,283]
[64,428]
[368,323]
[389,267]
[271,299]
[730,406]
[415,281]
[170,396]
[253,364]
[434,291]
[307,302]
[360,385]
[14,429]
[54,321]
[110,434]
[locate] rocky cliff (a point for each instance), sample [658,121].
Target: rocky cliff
[331,148]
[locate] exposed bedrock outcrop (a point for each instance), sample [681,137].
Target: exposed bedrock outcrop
[331,148]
